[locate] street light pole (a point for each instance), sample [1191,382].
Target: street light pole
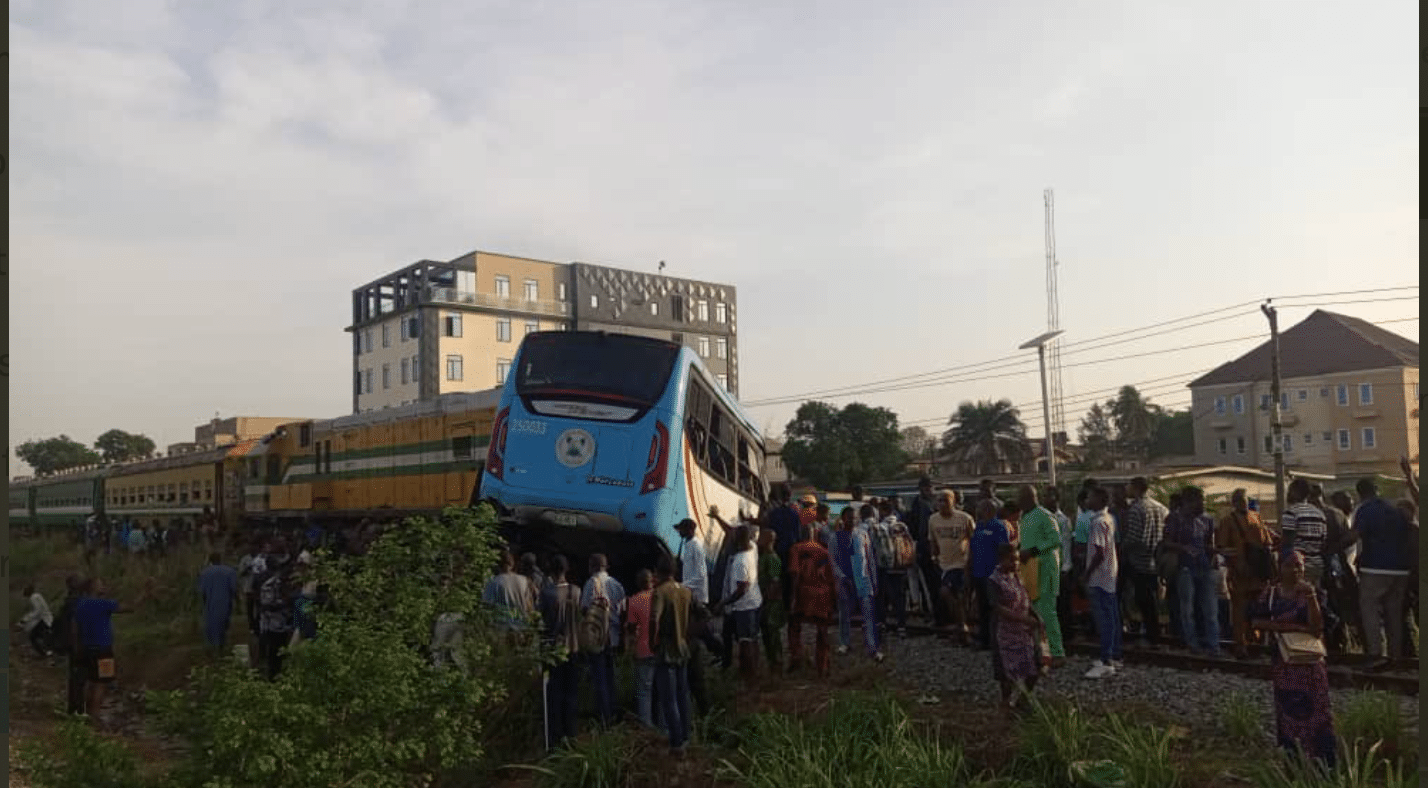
[1046,416]
[1040,344]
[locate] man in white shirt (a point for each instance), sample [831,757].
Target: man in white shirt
[693,563]
[950,531]
[1102,573]
[742,600]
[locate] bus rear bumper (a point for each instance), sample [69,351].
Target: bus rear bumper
[523,514]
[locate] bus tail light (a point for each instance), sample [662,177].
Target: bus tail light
[496,451]
[657,469]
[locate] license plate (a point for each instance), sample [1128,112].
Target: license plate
[564,518]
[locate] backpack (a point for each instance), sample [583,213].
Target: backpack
[595,624]
[894,546]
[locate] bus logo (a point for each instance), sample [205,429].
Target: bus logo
[574,447]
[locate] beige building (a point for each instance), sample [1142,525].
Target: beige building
[1348,401]
[435,328]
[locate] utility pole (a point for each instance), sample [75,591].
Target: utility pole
[1276,428]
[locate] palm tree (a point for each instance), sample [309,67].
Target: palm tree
[987,436]
[1135,419]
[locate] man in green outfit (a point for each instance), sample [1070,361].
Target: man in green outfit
[1041,539]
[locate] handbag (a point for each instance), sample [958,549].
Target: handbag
[1297,648]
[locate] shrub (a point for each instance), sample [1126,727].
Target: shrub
[361,704]
[1370,718]
[1241,719]
[80,758]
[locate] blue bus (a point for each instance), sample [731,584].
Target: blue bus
[603,442]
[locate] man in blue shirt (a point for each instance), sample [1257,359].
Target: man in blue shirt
[1383,571]
[218,587]
[92,619]
[987,537]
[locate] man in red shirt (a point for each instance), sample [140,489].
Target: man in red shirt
[637,631]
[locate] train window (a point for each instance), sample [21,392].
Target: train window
[461,446]
[305,435]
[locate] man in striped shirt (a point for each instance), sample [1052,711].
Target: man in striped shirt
[1303,527]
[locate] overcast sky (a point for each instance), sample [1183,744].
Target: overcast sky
[197,187]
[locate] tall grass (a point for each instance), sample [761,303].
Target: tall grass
[1365,768]
[1374,718]
[604,760]
[1062,746]
[860,740]
[1241,719]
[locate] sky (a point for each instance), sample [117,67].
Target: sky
[198,187]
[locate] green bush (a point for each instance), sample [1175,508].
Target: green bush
[1062,746]
[1241,720]
[361,705]
[1357,769]
[80,758]
[1370,718]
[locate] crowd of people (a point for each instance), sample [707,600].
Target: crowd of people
[1016,578]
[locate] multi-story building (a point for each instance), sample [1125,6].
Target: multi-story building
[1348,401]
[433,328]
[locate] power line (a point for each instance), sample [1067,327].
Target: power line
[987,366]
[1142,386]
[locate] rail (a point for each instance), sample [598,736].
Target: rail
[450,295]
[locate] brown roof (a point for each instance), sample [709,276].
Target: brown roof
[1323,343]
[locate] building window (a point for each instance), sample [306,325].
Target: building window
[451,326]
[406,371]
[367,380]
[532,290]
[1327,436]
[1220,408]
[386,376]
[406,334]
[503,330]
[367,341]
[1240,445]
[1239,404]
[1308,439]
[594,301]
[676,308]
[415,330]
[1365,393]
[1264,402]
[721,347]
[701,308]
[1345,442]
[1268,444]
[721,312]
[1343,392]
[1324,392]
[560,291]
[1222,445]
[1303,395]
[1288,442]
[724,381]
[532,326]
[453,367]
[386,335]
[654,308]
[1284,400]
[1369,438]
[503,368]
[703,343]
[503,287]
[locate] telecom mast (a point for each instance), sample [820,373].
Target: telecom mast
[1053,318]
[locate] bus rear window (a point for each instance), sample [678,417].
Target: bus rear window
[621,369]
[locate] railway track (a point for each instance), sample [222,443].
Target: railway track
[1400,678]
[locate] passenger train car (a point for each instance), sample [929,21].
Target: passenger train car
[603,442]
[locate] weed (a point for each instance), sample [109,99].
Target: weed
[599,761]
[81,759]
[1357,769]
[1374,718]
[1241,719]
[1143,751]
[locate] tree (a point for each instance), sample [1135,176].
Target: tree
[121,446]
[987,436]
[1134,418]
[1097,436]
[915,442]
[1174,434]
[837,449]
[362,704]
[56,454]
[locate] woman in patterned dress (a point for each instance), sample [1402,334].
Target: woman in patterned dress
[1301,691]
[1017,631]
